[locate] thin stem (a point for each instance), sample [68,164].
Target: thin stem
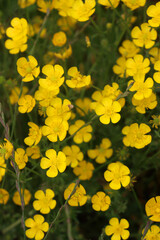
[69,226]
[137,201]
[149,223]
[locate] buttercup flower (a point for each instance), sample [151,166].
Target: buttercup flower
[4,196]
[153,11]
[117,174]
[100,201]
[155,54]
[28,69]
[45,96]
[26,196]
[84,170]
[144,37]
[26,104]
[128,49]
[37,227]
[25,3]
[33,152]
[152,208]
[109,3]
[117,229]
[120,68]
[2,167]
[101,152]
[73,155]
[64,53]
[83,135]
[79,198]
[21,158]
[134,4]
[84,104]
[45,201]
[15,92]
[153,233]
[66,23]
[59,39]
[6,149]
[77,80]
[34,136]
[156,75]
[54,162]
[145,103]
[43,5]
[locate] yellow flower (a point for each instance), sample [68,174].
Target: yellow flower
[26,195]
[34,136]
[45,201]
[54,77]
[54,129]
[25,3]
[117,174]
[117,229]
[156,75]
[6,149]
[136,135]
[133,4]
[77,80]
[54,162]
[45,96]
[100,201]
[28,69]
[59,109]
[21,158]
[153,11]
[43,5]
[37,227]
[155,121]
[143,88]
[128,49]
[33,152]
[102,152]
[153,233]
[3,167]
[152,208]
[144,37]
[4,196]
[145,103]
[15,92]
[73,155]
[155,54]
[84,104]
[120,68]
[137,66]
[84,170]
[79,197]
[109,3]
[83,135]
[18,34]
[26,104]
[59,39]
[108,110]
[66,23]
[64,53]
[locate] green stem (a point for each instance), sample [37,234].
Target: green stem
[137,201]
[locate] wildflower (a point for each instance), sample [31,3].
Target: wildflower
[122,153]
[45,201]
[153,233]
[37,227]
[34,136]
[152,208]
[136,135]
[155,54]
[78,198]
[109,3]
[108,110]
[33,152]
[73,155]
[102,152]
[143,88]
[2,31]
[156,75]
[128,49]
[66,23]
[83,135]
[21,158]
[137,66]
[120,68]
[26,104]
[117,229]
[6,149]
[15,92]
[54,77]
[84,170]
[64,53]
[4,196]
[28,69]
[54,162]
[3,167]
[117,174]
[77,80]
[144,37]
[26,196]
[44,6]
[153,11]
[100,201]
[25,3]
[145,103]
[45,96]
[18,34]
[59,109]
[59,39]
[54,129]
[84,104]
[155,121]
[134,4]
